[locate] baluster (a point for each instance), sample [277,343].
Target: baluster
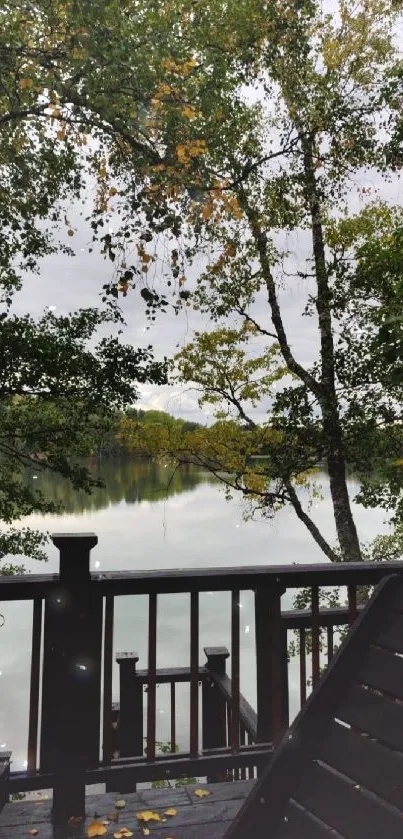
[194,674]
[242,741]
[235,678]
[173,718]
[315,636]
[329,644]
[108,665]
[352,604]
[35,685]
[152,677]
[302,667]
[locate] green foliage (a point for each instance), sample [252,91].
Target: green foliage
[56,395]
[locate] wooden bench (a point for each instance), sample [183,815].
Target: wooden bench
[338,772]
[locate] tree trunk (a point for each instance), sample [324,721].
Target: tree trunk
[345,525]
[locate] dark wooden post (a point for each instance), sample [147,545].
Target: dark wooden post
[71,687]
[214,711]
[270,669]
[4,778]
[130,724]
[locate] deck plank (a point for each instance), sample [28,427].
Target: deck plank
[205,818]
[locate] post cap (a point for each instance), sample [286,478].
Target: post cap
[216,657]
[74,555]
[74,540]
[122,657]
[216,652]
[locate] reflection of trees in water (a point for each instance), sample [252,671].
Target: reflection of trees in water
[131,481]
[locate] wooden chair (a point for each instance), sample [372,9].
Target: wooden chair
[4,778]
[338,772]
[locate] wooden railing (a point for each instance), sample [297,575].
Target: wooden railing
[72,662]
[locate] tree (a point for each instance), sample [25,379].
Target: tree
[230,129]
[56,394]
[248,167]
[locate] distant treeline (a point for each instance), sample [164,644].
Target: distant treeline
[109,442]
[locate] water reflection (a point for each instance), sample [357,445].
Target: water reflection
[126,480]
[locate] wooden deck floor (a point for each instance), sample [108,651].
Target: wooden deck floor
[196,818]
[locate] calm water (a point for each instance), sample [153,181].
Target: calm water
[147,518]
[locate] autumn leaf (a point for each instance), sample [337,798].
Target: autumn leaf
[96,829]
[120,804]
[189,112]
[146,831]
[122,833]
[170,812]
[201,793]
[102,172]
[61,135]
[25,83]
[33,832]
[147,816]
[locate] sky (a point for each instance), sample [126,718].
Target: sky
[68,283]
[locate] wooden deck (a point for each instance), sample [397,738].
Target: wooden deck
[196,818]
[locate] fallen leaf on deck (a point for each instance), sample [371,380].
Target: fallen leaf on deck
[112,817]
[201,793]
[148,816]
[96,829]
[120,804]
[75,819]
[146,831]
[170,812]
[124,831]
[33,832]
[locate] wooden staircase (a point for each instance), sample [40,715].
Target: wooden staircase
[338,772]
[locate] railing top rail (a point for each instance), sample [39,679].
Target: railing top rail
[177,580]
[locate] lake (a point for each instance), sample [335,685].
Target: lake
[146,517]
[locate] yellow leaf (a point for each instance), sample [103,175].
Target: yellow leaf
[146,831]
[170,812]
[33,832]
[201,793]
[125,831]
[148,816]
[189,112]
[26,83]
[112,190]
[96,829]
[102,172]
[120,804]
